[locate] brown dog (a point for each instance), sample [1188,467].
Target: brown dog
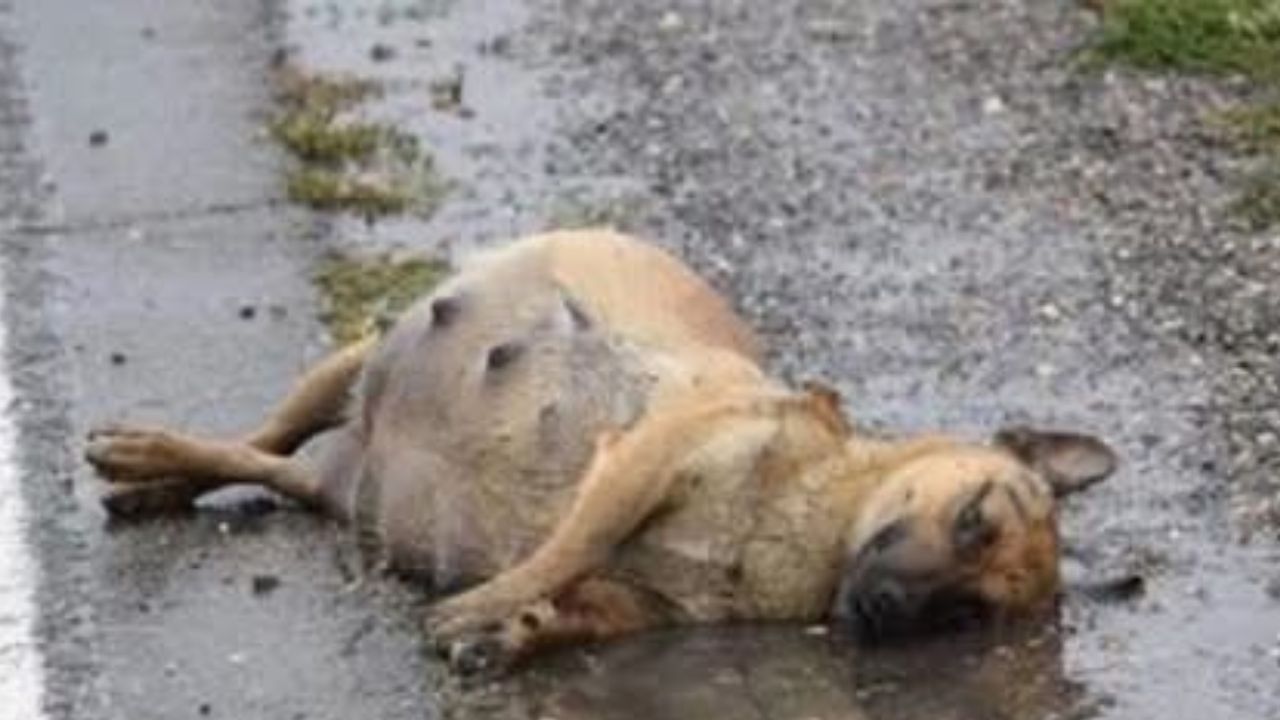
[579,424]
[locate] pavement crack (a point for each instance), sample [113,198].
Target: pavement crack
[152,218]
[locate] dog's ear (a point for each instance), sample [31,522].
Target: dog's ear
[826,400]
[1070,462]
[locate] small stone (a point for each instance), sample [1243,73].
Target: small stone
[446,92]
[381,52]
[263,584]
[248,312]
[204,708]
[993,105]
[98,138]
[817,630]
[118,358]
[670,21]
[499,46]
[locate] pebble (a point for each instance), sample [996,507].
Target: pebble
[98,138]
[264,584]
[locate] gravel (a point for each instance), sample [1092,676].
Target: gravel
[931,204]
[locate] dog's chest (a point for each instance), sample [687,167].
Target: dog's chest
[750,536]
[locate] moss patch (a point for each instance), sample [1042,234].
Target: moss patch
[297,90]
[325,189]
[361,296]
[344,164]
[1259,203]
[1256,128]
[1211,36]
[317,138]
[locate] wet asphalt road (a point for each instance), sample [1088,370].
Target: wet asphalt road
[920,201]
[133,276]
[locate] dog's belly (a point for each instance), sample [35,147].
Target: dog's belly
[479,409]
[477,433]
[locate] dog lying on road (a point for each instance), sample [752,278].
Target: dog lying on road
[578,428]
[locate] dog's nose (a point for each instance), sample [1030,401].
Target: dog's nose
[874,610]
[887,598]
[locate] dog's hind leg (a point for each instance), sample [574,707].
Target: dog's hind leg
[316,403]
[153,470]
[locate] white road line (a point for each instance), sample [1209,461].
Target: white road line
[21,668]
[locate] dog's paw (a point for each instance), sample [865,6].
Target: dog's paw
[487,604]
[127,454]
[480,654]
[450,619]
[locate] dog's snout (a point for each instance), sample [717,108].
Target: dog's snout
[872,609]
[888,597]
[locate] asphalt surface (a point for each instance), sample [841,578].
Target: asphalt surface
[923,202]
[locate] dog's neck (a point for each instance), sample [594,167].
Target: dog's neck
[867,462]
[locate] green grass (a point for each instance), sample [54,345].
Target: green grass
[363,295]
[1202,36]
[1212,37]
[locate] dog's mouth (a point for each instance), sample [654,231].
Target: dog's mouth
[887,614]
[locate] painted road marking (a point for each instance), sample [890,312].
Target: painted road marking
[21,667]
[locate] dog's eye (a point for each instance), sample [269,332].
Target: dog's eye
[887,537]
[973,531]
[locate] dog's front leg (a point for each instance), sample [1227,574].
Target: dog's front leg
[588,610]
[630,476]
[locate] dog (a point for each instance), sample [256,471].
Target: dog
[576,431]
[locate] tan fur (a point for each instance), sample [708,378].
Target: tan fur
[580,422]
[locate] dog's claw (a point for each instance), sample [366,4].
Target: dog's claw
[478,655]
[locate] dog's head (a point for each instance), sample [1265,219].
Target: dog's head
[964,534]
